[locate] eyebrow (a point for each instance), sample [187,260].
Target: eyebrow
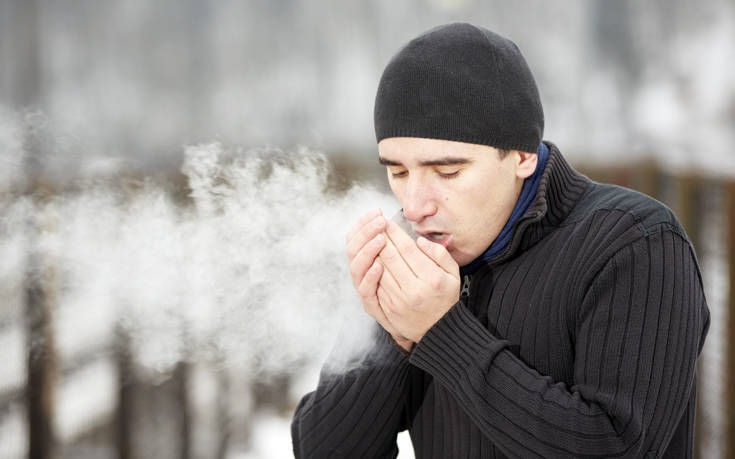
[447,161]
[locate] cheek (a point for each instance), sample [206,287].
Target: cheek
[397,192]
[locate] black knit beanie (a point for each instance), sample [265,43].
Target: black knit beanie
[460,82]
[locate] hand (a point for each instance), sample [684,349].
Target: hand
[419,283]
[363,243]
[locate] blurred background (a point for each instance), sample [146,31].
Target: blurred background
[176,179]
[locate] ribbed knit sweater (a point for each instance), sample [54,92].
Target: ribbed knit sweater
[579,340]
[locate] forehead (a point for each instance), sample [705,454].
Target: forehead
[416,151]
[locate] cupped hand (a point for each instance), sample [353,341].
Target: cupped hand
[364,241]
[419,282]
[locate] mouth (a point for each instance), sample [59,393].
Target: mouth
[438,237]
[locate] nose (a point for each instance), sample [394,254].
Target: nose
[418,201]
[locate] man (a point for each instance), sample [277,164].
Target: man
[538,315]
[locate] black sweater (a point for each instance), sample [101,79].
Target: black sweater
[580,340]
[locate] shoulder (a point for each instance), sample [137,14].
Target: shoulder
[622,209]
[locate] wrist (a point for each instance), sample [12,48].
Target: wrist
[406,345]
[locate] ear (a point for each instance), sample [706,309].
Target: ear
[526,165]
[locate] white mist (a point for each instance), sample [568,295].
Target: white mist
[249,277]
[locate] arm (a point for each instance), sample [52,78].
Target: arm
[361,410]
[640,326]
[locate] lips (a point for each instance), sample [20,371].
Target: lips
[437,236]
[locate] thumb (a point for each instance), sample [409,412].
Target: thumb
[439,255]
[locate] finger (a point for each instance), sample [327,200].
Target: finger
[388,282]
[406,246]
[386,301]
[393,262]
[365,258]
[369,284]
[366,233]
[361,222]
[373,308]
[371,302]
[439,255]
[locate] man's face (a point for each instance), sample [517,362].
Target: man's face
[454,193]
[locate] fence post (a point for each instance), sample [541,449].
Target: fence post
[224,421]
[125,393]
[40,359]
[181,386]
[689,209]
[39,344]
[649,179]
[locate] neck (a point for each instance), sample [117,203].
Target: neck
[526,194]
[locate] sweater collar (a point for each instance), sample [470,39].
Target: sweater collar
[559,189]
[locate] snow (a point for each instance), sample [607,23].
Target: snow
[85,398]
[12,343]
[13,432]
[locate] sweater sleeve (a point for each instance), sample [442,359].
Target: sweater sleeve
[640,326]
[359,411]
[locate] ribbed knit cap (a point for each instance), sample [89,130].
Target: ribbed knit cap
[460,82]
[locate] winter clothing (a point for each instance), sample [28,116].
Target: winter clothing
[579,340]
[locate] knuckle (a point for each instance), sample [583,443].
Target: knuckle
[377,242]
[412,293]
[350,252]
[435,282]
[353,266]
[364,218]
[360,259]
[406,247]
[370,230]
[390,255]
[429,249]
[364,291]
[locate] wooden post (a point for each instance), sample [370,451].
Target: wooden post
[621,176]
[729,405]
[689,208]
[649,179]
[125,394]
[181,384]
[39,342]
[224,420]
[40,362]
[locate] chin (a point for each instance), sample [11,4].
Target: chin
[462,259]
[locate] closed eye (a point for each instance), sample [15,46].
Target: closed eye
[448,175]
